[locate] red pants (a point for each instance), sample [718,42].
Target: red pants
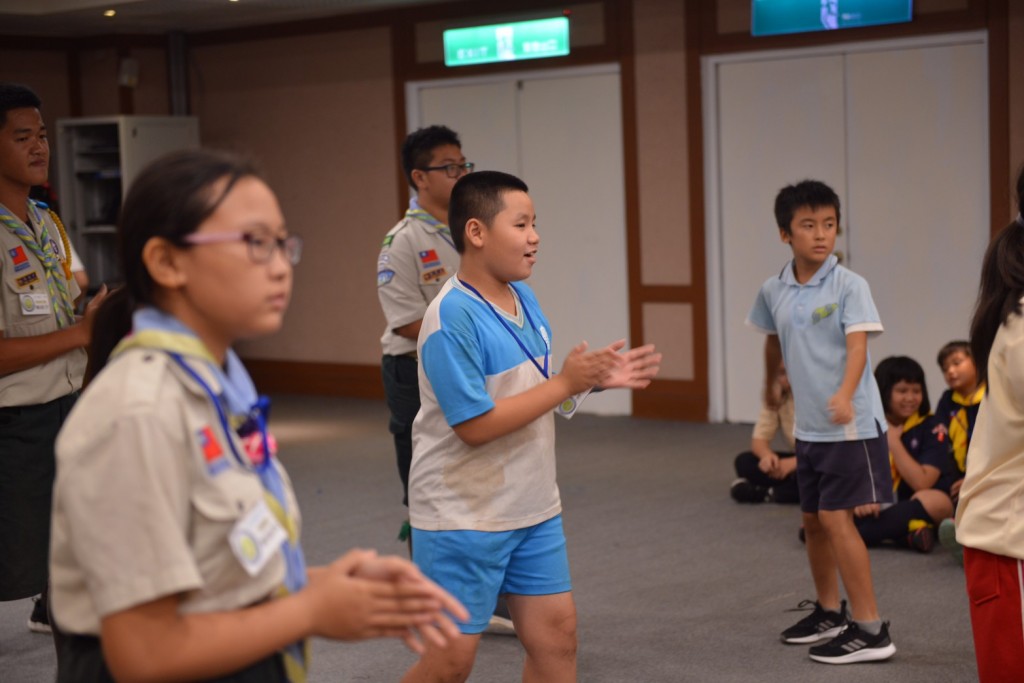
[995,586]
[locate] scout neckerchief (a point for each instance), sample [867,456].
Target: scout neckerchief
[501,319]
[242,411]
[416,212]
[53,267]
[959,426]
[912,421]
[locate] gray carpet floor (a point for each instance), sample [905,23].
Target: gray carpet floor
[673,581]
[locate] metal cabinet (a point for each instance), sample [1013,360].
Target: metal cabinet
[98,158]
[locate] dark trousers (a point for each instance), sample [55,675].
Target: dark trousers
[785,490]
[892,523]
[402,388]
[80,660]
[27,470]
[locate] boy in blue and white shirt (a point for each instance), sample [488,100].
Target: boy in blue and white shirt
[483,502]
[818,315]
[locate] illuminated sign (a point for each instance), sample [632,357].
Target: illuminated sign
[507,42]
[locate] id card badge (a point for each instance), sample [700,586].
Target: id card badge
[256,538]
[568,407]
[34,303]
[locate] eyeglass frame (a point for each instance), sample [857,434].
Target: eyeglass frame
[466,168]
[290,246]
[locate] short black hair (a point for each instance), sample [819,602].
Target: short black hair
[479,195]
[813,194]
[419,146]
[952,347]
[895,369]
[16,96]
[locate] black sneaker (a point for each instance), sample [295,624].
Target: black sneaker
[922,540]
[855,645]
[742,491]
[818,625]
[39,622]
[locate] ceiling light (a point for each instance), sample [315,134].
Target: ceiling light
[110,13]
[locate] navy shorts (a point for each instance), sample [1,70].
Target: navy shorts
[840,475]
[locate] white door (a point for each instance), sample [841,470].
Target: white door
[561,133]
[900,132]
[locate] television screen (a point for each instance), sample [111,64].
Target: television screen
[772,17]
[507,42]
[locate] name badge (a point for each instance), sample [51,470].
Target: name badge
[256,538]
[34,303]
[568,407]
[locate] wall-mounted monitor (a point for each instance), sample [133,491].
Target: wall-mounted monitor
[520,40]
[773,17]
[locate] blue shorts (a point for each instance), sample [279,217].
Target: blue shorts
[478,566]
[840,475]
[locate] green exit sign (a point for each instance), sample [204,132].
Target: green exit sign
[507,42]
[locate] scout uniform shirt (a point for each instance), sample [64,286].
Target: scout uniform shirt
[28,311]
[147,497]
[416,258]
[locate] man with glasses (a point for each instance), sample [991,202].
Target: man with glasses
[416,259]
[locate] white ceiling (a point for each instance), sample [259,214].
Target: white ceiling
[85,17]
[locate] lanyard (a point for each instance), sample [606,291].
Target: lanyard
[259,412]
[501,319]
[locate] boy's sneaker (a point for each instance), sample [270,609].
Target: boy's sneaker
[742,491]
[855,645]
[39,621]
[922,540]
[818,625]
[947,537]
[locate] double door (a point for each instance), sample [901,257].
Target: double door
[561,132]
[900,131]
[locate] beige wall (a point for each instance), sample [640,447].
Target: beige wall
[317,112]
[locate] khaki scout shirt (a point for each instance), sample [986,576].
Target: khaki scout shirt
[137,514]
[56,377]
[770,421]
[988,516]
[415,260]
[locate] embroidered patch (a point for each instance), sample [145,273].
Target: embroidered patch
[212,452]
[384,258]
[435,275]
[387,241]
[26,280]
[19,259]
[429,259]
[823,312]
[384,277]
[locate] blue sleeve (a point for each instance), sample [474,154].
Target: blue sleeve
[760,315]
[453,361]
[859,308]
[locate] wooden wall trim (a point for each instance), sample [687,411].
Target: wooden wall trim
[999,112]
[697,294]
[321,379]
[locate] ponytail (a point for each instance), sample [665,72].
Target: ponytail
[1002,286]
[112,322]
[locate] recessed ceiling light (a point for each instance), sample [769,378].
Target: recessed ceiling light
[110,13]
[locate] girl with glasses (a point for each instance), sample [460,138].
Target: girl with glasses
[176,550]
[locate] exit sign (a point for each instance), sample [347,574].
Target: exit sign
[507,42]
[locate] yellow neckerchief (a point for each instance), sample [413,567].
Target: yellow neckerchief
[911,422]
[959,427]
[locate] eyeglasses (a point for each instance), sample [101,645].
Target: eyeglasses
[452,170]
[261,247]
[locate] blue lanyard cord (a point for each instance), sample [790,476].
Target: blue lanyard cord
[262,405]
[501,319]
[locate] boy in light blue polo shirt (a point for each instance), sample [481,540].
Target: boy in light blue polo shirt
[818,315]
[483,500]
